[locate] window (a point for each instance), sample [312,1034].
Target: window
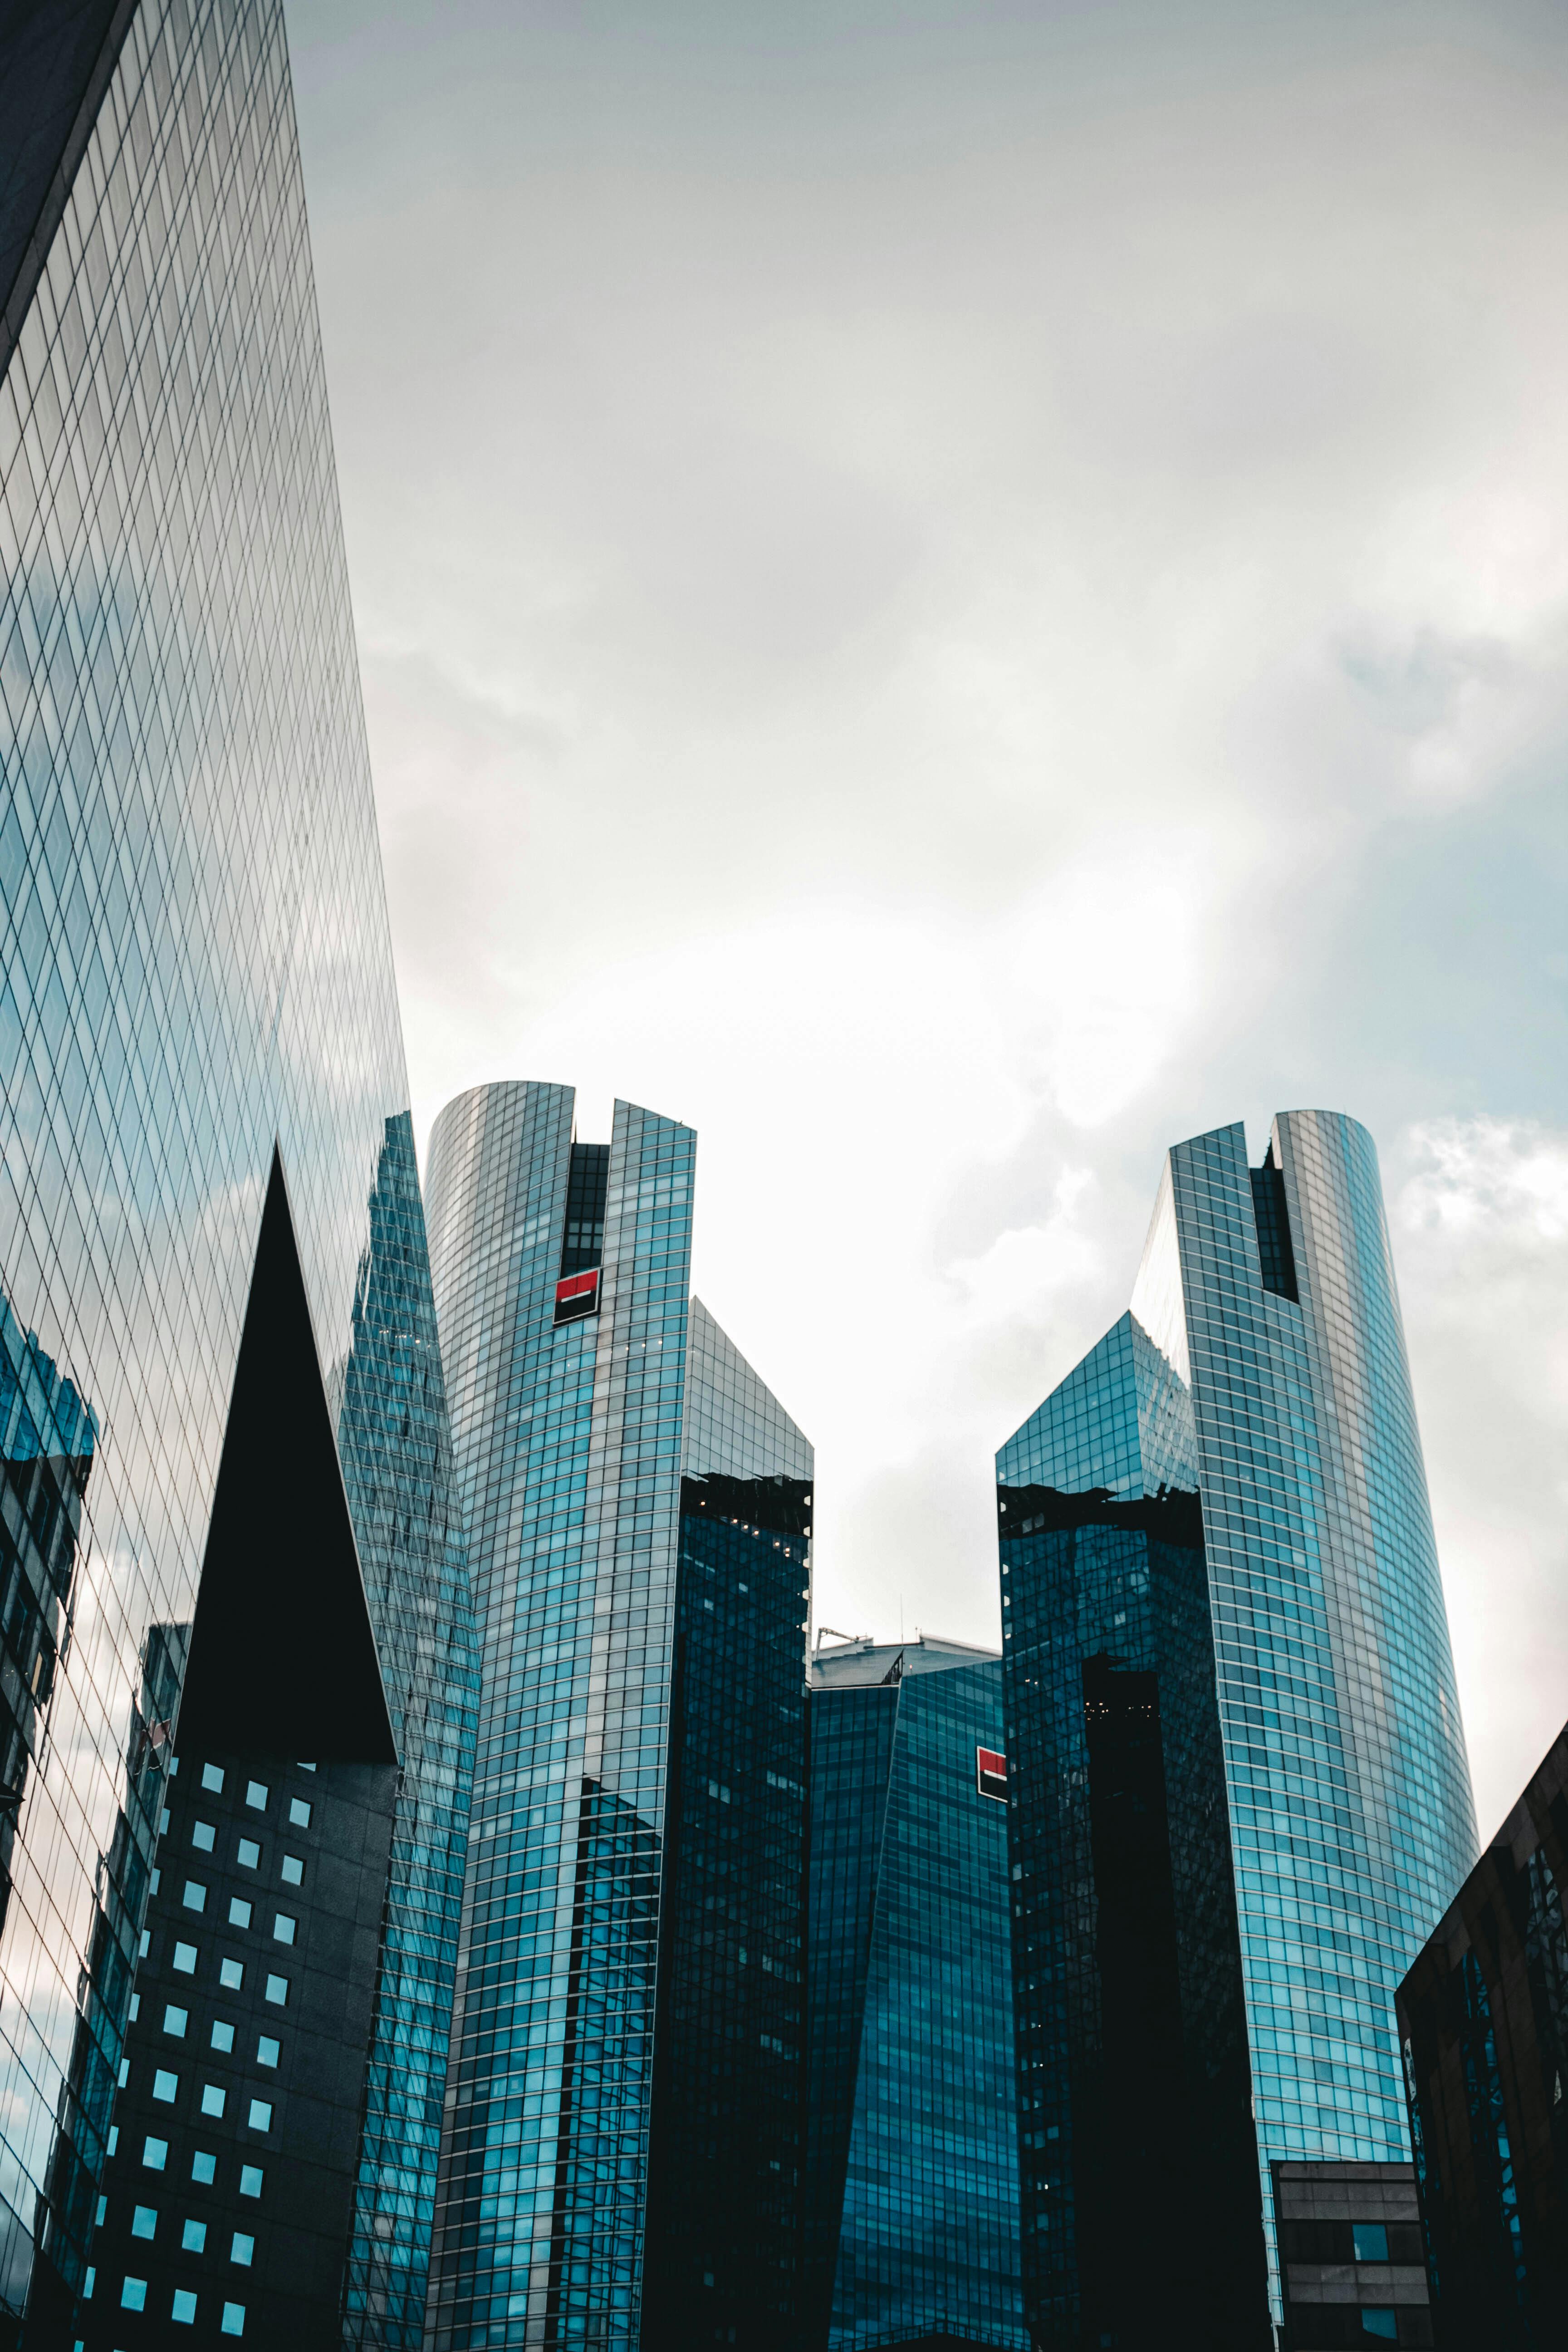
[238,1911]
[204,2168]
[144,2221]
[278,1991]
[184,2305]
[193,2238]
[267,2050]
[250,2180]
[1370,2242]
[195,1895]
[102,2209]
[135,2007]
[164,2085]
[249,1853]
[293,1870]
[255,1795]
[212,2098]
[184,1959]
[1379,2323]
[283,1927]
[175,2022]
[203,1835]
[242,2250]
[212,1778]
[231,1975]
[233,2319]
[154,2154]
[223,2035]
[133,2295]
[260,2115]
[300,1812]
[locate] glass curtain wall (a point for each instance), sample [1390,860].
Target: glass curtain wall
[639,1512]
[194,969]
[1271,1294]
[913,2192]
[1131,2027]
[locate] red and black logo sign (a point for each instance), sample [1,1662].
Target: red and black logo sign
[991,1774]
[577,1295]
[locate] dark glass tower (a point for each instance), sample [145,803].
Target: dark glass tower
[203,1107]
[1483,2020]
[1130,2024]
[622,2148]
[912,2167]
[1267,1299]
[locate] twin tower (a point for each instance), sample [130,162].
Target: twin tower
[941,1995]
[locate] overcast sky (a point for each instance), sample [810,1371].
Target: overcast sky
[956,593]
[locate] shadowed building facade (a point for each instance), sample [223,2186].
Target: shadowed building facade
[1128,2000]
[202,1111]
[1268,1296]
[1483,2020]
[912,2203]
[622,2151]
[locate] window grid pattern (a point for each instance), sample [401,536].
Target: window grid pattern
[194,961]
[914,2221]
[724,2215]
[1130,2016]
[569,1447]
[1349,1798]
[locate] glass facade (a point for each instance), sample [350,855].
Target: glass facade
[1483,2022]
[1271,1293]
[912,2163]
[1128,2010]
[195,975]
[623,2098]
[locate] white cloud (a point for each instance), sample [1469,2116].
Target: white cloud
[956,595]
[1481,1238]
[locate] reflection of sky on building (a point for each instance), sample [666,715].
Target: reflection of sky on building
[1350,1795]
[194,963]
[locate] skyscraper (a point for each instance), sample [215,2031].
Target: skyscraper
[622,2151]
[1132,2035]
[912,2159]
[197,1021]
[1269,1295]
[1483,2017]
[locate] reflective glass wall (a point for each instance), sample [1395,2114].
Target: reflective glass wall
[1270,1292]
[194,969]
[639,1506]
[913,2206]
[1131,2025]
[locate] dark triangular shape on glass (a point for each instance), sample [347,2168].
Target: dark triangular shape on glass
[283,1658]
[56,58]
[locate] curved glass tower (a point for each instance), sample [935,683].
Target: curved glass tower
[1270,1292]
[621,2155]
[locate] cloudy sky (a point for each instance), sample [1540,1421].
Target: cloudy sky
[954,592]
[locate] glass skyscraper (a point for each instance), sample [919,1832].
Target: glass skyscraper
[197,1005]
[622,2151]
[912,2204]
[1130,2016]
[1269,1295]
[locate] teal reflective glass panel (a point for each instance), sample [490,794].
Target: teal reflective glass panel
[614,1672]
[1271,1292]
[194,969]
[912,2207]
